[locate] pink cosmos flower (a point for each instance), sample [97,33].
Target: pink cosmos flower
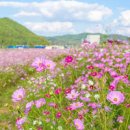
[76,105]
[39,128]
[50,65]
[79,124]
[107,108]
[20,122]
[99,75]
[29,106]
[67,90]
[52,104]
[94,105]
[116,97]
[128,105]
[112,88]
[42,63]
[39,64]
[90,67]
[47,95]
[93,74]
[84,99]
[72,95]
[120,119]
[94,112]
[46,113]
[91,87]
[68,108]
[39,103]
[113,74]
[18,95]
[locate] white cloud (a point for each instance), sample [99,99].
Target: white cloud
[121,24]
[92,12]
[24,13]
[125,18]
[96,29]
[124,31]
[13,4]
[50,27]
[95,15]
[65,9]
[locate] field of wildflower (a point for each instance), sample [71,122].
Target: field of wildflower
[86,89]
[15,71]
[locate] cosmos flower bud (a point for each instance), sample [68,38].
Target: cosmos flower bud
[58,91]
[58,114]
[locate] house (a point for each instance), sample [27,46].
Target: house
[54,47]
[93,39]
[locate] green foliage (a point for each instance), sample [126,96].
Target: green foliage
[75,39]
[13,33]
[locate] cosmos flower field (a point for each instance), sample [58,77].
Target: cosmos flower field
[87,89]
[13,57]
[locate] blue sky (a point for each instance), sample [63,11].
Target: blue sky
[58,17]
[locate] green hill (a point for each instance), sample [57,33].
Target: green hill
[13,33]
[75,39]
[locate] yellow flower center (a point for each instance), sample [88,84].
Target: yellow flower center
[115,99]
[19,96]
[48,65]
[77,104]
[77,125]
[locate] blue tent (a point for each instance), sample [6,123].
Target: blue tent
[39,46]
[11,46]
[22,46]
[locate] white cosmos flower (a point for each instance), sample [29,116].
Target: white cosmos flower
[83,86]
[34,122]
[87,95]
[40,122]
[96,96]
[90,82]
[60,128]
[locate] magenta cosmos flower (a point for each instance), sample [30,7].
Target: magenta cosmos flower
[42,63]
[79,124]
[116,97]
[18,95]
[68,59]
[39,103]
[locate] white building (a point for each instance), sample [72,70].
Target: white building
[54,47]
[93,38]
